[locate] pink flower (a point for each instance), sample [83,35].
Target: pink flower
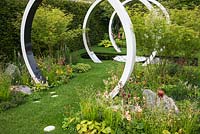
[128,116]
[106,95]
[138,108]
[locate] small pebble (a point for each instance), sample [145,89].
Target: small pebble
[52,92]
[36,102]
[49,128]
[53,96]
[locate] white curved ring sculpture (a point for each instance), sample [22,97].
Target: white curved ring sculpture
[28,56]
[149,7]
[91,53]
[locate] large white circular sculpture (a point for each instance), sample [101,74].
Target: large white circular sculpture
[149,7]
[28,56]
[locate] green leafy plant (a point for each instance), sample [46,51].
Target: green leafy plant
[105,43]
[81,68]
[121,42]
[70,124]
[92,127]
[49,27]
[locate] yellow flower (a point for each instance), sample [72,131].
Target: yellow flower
[166,132]
[59,71]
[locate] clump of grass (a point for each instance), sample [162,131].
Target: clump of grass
[5,83]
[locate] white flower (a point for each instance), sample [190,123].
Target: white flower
[106,95]
[128,116]
[138,109]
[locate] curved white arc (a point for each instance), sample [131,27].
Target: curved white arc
[90,53]
[23,23]
[130,42]
[145,2]
[163,9]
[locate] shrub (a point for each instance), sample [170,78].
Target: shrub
[81,68]
[180,41]
[180,4]
[51,29]
[187,18]
[105,43]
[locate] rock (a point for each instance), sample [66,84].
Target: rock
[156,61]
[52,93]
[49,128]
[36,102]
[153,101]
[21,88]
[12,71]
[54,96]
[122,58]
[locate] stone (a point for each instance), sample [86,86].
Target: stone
[22,88]
[12,71]
[153,101]
[122,58]
[49,128]
[36,102]
[54,96]
[52,93]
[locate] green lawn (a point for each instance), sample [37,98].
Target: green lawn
[31,118]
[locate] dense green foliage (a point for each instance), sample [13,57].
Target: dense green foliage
[51,30]
[9,35]
[81,67]
[97,23]
[181,38]
[179,4]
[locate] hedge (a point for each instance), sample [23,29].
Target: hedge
[9,35]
